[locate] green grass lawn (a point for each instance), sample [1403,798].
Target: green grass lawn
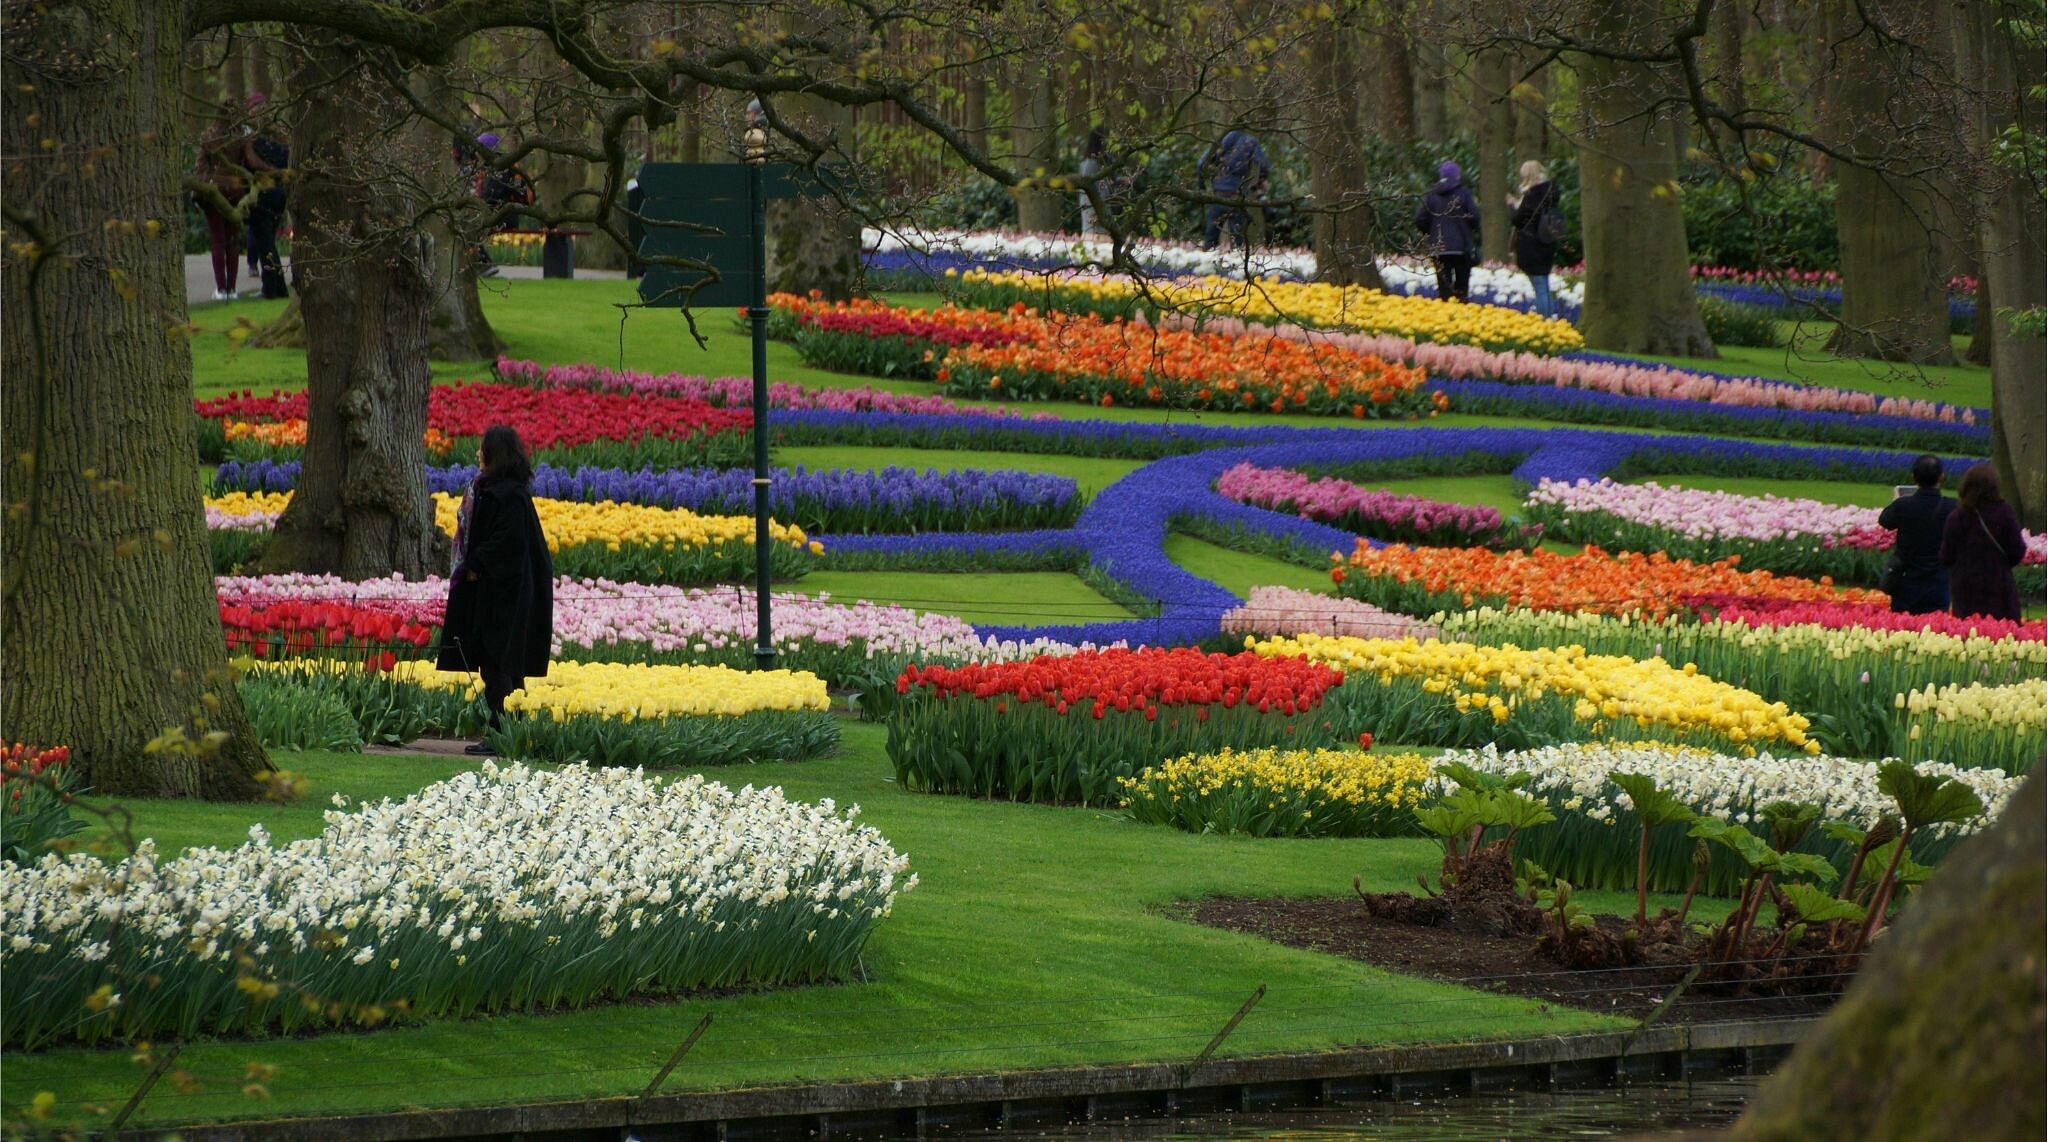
[1240,571]
[1033,939]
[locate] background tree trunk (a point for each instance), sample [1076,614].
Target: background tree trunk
[2012,248]
[113,629]
[367,290]
[1037,146]
[1391,113]
[1432,122]
[1494,118]
[1940,1034]
[813,243]
[457,329]
[1639,295]
[1531,99]
[1894,288]
[1343,225]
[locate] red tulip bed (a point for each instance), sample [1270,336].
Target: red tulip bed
[1066,729]
[375,637]
[564,427]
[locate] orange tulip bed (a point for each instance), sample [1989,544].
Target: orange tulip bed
[1020,354]
[1423,580]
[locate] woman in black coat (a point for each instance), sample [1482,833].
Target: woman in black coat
[501,598]
[1980,545]
[1535,255]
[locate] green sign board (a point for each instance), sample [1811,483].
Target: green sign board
[701,211]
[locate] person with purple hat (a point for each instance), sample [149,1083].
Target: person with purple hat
[1449,217]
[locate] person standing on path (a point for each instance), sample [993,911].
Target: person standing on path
[1917,579]
[266,214]
[226,160]
[1538,224]
[1094,160]
[1236,167]
[1450,220]
[500,620]
[1980,545]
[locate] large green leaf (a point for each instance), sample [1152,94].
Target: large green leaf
[1652,805]
[1746,845]
[1925,799]
[1802,864]
[1814,905]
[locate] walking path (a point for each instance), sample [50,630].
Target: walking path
[199,278]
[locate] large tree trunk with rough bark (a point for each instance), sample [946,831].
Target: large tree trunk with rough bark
[1639,295]
[1894,281]
[367,289]
[2012,249]
[457,329]
[1033,139]
[1343,225]
[1390,110]
[1941,1033]
[1494,117]
[112,631]
[1432,120]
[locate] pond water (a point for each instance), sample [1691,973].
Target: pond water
[1641,1109]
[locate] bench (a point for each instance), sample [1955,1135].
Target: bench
[557,249]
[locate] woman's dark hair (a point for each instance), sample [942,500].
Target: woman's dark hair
[1980,489]
[1927,471]
[505,456]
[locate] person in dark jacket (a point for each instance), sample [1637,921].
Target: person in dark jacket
[1535,255]
[1980,545]
[1450,219]
[267,214]
[501,605]
[1921,584]
[1236,167]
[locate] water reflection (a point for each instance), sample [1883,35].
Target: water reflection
[1640,1109]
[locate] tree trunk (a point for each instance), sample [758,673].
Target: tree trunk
[2012,248]
[1495,120]
[1343,223]
[113,629]
[974,109]
[1033,139]
[367,290]
[1392,117]
[1432,123]
[1639,296]
[1894,289]
[813,243]
[1730,26]
[1532,111]
[1981,329]
[1940,1034]
[457,329]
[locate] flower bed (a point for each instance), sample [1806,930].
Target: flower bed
[35,814]
[1286,611]
[1068,728]
[1272,302]
[1866,616]
[509,889]
[608,713]
[738,392]
[1977,726]
[1379,514]
[1459,693]
[616,541]
[1774,533]
[1019,355]
[1844,678]
[1593,843]
[560,426]
[1425,580]
[1281,793]
[889,500]
[370,635]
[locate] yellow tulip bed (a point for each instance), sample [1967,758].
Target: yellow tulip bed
[601,540]
[607,713]
[1282,793]
[1463,694]
[1977,726]
[1269,301]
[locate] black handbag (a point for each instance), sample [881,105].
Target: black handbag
[1892,577]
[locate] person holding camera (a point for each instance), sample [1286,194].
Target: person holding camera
[1915,576]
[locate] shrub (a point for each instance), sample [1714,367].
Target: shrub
[1732,323]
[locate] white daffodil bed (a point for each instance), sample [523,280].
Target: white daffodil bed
[507,888]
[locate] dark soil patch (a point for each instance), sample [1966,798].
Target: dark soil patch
[1510,965]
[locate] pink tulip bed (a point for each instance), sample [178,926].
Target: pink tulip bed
[1376,513]
[1782,534]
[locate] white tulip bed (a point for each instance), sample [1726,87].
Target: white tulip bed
[505,889]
